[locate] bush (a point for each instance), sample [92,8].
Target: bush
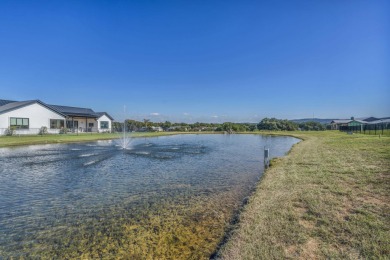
[312,126]
[43,130]
[63,130]
[10,131]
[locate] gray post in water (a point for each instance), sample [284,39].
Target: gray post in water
[266,157]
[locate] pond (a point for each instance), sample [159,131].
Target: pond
[165,197]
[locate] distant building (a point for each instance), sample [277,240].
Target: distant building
[157,129]
[28,117]
[339,123]
[177,128]
[347,124]
[151,129]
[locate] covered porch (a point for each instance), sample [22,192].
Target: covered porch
[79,124]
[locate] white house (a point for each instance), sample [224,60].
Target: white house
[28,117]
[104,122]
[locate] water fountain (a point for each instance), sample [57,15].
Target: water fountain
[124,140]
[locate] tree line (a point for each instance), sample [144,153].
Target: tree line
[274,124]
[267,124]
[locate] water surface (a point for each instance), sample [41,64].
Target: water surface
[165,197]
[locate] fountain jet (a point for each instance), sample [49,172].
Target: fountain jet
[125,140]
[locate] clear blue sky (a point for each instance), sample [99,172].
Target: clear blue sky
[209,61]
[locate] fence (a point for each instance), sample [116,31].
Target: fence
[381,128]
[36,131]
[29,131]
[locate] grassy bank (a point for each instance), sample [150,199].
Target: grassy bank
[329,198]
[68,138]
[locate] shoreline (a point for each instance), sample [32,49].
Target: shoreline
[325,199]
[22,140]
[235,221]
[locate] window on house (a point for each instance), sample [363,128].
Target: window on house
[90,124]
[104,124]
[20,122]
[56,123]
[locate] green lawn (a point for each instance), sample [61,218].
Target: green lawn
[329,198]
[68,138]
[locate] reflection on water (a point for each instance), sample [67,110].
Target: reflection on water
[165,197]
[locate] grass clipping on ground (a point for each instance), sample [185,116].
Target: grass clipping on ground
[329,198]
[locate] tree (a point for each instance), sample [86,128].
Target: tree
[146,121]
[274,124]
[312,126]
[166,125]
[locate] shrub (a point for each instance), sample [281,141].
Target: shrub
[312,126]
[63,130]
[10,131]
[43,130]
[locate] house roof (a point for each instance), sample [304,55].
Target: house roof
[19,104]
[368,119]
[5,102]
[379,121]
[66,111]
[341,121]
[75,111]
[359,121]
[100,114]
